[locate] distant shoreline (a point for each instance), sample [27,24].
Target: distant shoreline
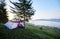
[54,20]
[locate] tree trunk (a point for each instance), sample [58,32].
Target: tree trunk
[24,20]
[24,17]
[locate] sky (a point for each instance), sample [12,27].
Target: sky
[45,9]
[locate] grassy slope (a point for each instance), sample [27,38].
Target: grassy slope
[30,32]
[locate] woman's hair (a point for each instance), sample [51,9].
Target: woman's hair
[20,20]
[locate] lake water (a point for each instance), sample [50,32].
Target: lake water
[46,23]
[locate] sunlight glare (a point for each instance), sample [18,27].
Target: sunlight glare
[10,16]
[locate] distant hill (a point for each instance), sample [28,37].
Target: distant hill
[55,20]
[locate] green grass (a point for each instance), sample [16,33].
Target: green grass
[31,32]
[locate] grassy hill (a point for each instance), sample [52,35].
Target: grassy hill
[31,32]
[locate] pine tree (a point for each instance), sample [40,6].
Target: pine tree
[3,16]
[24,8]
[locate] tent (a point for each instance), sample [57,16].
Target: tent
[11,25]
